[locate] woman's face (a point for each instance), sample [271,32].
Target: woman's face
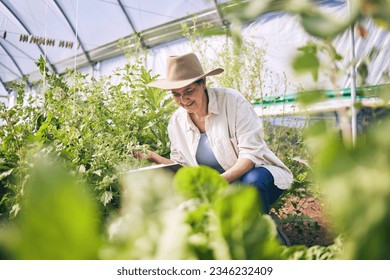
[192,98]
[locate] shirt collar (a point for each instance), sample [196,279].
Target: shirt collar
[189,125]
[213,103]
[213,109]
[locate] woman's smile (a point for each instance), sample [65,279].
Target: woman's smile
[188,105]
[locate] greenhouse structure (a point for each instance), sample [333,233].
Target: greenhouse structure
[85,35]
[89,115]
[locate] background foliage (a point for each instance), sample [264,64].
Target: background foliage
[63,152]
[91,125]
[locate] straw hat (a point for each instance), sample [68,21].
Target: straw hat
[182,71]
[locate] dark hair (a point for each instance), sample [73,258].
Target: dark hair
[200,81]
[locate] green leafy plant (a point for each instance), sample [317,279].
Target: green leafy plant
[92,125]
[195,215]
[59,218]
[161,217]
[359,175]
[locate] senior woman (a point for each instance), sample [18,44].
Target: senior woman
[219,128]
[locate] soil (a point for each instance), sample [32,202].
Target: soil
[304,222]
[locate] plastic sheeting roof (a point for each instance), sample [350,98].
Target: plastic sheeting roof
[65,31]
[80,33]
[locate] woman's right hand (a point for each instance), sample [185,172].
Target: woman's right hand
[150,156]
[140,155]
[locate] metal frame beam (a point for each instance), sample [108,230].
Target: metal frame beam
[74,32]
[1,82]
[22,23]
[224,22]
[16,65]
[129,20]
[151,37]
[13,60]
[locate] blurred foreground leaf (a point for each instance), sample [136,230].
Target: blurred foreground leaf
[248,234]
[307,61]
[356,184]
[326,26]
[379,10]
[149,225]
[202,183]
[59,219]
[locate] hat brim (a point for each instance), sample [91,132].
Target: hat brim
[164,84]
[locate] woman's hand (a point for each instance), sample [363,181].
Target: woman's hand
[140,155]
[151,156]
[242,166]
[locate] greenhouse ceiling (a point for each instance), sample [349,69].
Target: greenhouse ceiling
[78,33]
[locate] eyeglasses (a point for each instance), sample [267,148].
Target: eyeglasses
[187,93]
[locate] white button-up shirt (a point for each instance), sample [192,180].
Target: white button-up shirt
[234,131]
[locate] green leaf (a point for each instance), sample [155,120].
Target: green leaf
[307,62]
[352,179]
[324,25]
[248,234]
[41,63]
[58,219]
[384,93]
[363,71]
[379,11]
[311,97]
[199,182]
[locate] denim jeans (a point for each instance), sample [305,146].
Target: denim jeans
[263,180]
